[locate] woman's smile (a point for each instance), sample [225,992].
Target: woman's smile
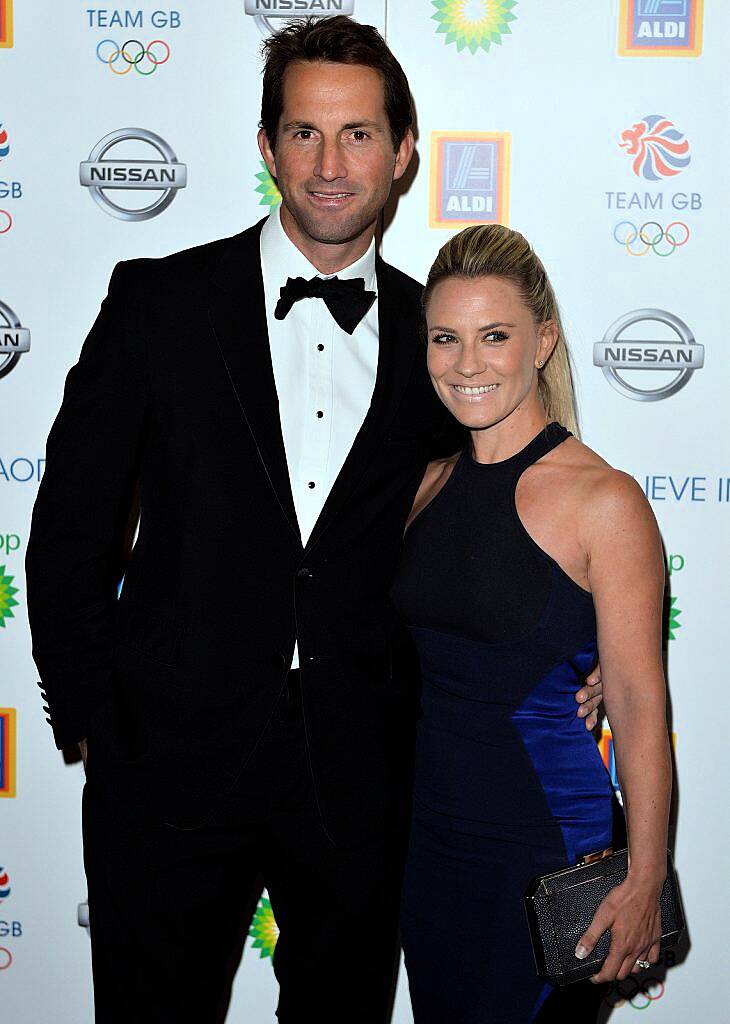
[474,393]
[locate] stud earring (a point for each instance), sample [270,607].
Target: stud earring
[539,365]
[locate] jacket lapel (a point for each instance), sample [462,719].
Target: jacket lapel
[237,313]
[397,350]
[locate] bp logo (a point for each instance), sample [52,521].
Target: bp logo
[474,24]
[267,187]
[263,11]
[7,600]
[673,623]
[264,930]
[134,175]
[14,340]
[676,359]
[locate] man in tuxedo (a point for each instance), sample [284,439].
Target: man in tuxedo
[265,399]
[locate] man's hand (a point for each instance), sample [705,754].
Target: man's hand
[82,748]
[590,697]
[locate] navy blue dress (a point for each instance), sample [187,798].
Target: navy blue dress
[509,783]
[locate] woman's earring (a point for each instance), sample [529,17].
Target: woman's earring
[539,364]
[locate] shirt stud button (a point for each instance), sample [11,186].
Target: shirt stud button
[320,348]
[311,484]
[320,414]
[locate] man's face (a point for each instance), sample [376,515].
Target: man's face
[334,159]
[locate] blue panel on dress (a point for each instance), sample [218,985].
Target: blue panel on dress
[566,758]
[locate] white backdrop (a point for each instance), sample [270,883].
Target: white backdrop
[594,126]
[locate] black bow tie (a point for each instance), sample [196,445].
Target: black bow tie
[347,301]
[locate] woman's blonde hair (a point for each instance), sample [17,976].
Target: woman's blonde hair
[492,250]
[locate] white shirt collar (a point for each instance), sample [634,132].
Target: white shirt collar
[282,259]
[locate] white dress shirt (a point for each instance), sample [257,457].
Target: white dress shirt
[324,376]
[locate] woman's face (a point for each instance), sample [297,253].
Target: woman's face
[483,349]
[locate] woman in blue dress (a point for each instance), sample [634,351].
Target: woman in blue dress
[523,556]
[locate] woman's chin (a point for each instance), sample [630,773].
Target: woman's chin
[475,419]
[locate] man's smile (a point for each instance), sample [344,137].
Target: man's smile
[327,199]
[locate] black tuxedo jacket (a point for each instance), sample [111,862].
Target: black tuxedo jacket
[174,398]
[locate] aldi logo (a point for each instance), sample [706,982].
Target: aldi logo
[6,23]
[660,28]
[7,752]
[469,178]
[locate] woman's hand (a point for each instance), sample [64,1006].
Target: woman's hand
[631,911]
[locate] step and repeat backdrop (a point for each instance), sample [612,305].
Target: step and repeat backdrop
[595,127]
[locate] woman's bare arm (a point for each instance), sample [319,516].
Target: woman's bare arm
[626,573]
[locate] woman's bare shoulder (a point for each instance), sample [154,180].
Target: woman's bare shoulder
[602,488]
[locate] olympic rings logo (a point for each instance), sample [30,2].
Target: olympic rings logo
[6,222]
[638,241]
[639,993]
[131,55]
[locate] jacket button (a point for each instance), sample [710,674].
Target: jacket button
[305,574]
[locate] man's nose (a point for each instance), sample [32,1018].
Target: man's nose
[330,164]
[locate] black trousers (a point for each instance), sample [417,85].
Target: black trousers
[168,907]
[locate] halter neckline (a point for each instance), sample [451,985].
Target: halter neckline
[549,437]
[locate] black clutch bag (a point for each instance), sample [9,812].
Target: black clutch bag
[560,906]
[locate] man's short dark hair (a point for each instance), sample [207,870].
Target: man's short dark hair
[338,40]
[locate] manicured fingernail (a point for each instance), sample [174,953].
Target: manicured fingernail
[580,951]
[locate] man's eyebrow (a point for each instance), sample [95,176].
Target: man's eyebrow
[350,126]
[363,124]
